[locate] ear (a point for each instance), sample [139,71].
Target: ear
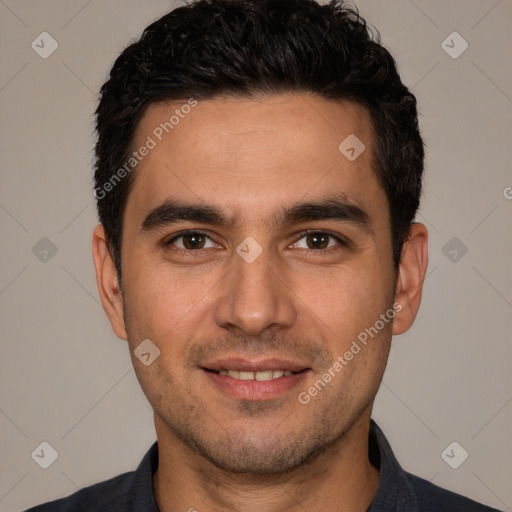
[411,274]
[107,281]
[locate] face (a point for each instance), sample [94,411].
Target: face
[253,248]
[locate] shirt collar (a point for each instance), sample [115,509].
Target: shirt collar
[142,495]
[394,492]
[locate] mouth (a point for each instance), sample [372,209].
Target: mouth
[260,376]
[255,380]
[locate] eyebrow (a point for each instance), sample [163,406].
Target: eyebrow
[339,209]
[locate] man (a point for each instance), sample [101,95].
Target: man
[258,171]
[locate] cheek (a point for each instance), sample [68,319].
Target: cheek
[159,301]
[344,301]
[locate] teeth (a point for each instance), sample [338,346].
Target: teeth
[259,376]
[267,375]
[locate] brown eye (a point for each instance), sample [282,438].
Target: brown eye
[191,241]
[317,241]
[194,241]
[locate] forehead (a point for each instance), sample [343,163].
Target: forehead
[246,155]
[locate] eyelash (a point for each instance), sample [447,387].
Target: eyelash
[342,243]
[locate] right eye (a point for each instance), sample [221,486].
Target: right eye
[191,241]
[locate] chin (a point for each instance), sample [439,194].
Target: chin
[260,453]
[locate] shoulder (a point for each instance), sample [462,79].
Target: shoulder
[432,498]
[111,495]
[127,492]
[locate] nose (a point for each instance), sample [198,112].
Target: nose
[254,297]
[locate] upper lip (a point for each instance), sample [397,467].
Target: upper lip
[248,365]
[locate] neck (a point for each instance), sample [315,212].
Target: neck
[341,478]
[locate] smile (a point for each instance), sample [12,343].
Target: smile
[257,383]
[259,376]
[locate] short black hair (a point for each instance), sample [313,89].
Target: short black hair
[213,48]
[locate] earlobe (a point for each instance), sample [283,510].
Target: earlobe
[411,274]
[108,283]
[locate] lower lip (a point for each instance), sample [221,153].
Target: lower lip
[254,389]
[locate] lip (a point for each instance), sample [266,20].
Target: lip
[247,365]
[252,389]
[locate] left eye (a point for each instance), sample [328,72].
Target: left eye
[317,240]
[192,241]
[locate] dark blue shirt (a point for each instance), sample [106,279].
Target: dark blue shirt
[398,490]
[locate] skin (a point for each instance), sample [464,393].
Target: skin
[298,300]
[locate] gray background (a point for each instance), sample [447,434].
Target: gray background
[67,380]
